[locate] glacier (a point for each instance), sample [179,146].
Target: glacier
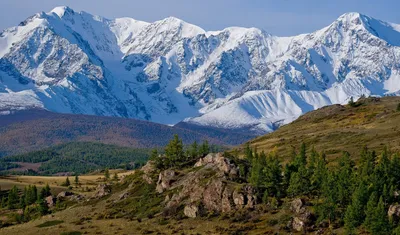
[171,71]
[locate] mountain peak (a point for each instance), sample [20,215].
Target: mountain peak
[62,10]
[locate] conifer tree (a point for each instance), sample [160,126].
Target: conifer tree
[115,177]
[193,150]
[327,209]
[174,150]
[106,174]
[76,179]
[355,214]
[272,175]
[299,183]
[376,220]
[13,198]
[398,108]
[204,148]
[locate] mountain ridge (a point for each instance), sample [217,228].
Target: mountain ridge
[170,71]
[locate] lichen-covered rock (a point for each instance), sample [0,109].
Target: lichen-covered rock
[64,194]
[394,210]
[148,170]
[298,224]
[51,201]
[297,206]
[191,211]
[222,163]
[165,180]
[102,190]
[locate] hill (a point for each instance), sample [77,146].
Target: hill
[75,158]
[30,130]
[372,122]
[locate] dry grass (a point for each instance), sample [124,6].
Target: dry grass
[55,182]
[332,129]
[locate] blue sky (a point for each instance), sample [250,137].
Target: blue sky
[278,17]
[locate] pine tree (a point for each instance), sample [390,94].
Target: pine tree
[299,183]
[272,175]
[398,108]
[107,174]
[76,179]
[204,148]
[319,173]
[344,179]
[193,151]
[67,183]
[351,102]
[174,150]
[3,202]
[355,214]
[13,198]
[376,220]
[43,208]
[256,172]
[115,177]
[327,209]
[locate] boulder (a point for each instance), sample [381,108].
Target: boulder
[123,196]
[298,224]
[102,190]
[222,163]
[148,170]
[394,210]
[191,211]
[51,201]
[297,206]
[76,197]
[165,179]
[64,194]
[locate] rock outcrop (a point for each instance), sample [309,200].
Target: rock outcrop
[211,188]
[165,179]
[220,162]
[102,190]
[302,217]
[51,201]
[394,210]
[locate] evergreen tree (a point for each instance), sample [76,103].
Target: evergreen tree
[299,183]
[30,195]
[319,173]
[351,102]
[327,209]
[67,183]
[76,179]
[22,199]
[3,202]
[272,175]
[174,150]
[376,220]
[398,108]
[248,153]
[193,150]
[43,207]
[115,177]
[13,198]
[204,148]
[344,179]
[355,214]
[107,174]
[256,172]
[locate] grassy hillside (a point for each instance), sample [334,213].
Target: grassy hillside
[30,130]
[75,157]
[374,122]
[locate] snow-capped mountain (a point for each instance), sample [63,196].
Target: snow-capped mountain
[169,70]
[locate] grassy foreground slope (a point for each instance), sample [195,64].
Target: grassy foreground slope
[372,122]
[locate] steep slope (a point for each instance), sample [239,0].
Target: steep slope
[170,71]
[338,128]
[30,130]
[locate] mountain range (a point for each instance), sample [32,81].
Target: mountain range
[170,71]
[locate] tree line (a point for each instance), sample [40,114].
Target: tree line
[344,193]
